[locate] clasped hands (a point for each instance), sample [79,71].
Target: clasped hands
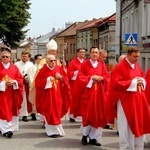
[97,78]
[58,76]
[9,82]
[139,81]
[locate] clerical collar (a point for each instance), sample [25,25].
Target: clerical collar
[81,60]
[94,63]
[6,66]
[49,67]
[132,65]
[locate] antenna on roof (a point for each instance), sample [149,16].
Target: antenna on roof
[53,24]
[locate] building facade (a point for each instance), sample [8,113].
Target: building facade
[132,17]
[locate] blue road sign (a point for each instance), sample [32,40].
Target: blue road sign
[131,39]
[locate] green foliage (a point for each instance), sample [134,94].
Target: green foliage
[14,16]
[124,47]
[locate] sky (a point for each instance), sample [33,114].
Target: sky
[48,14]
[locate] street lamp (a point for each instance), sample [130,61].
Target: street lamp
[64,51]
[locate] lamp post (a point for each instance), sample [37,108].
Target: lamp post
[120,34]
[64,51]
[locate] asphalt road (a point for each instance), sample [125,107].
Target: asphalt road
[32,136]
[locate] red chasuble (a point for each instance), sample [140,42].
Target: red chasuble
[134,104]
[73,66]
[92,100]
[10,100]
[147,91]
[52,102]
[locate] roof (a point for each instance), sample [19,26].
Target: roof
[111,18]
[92,23]
[45,38]
[71,30]
[2,45]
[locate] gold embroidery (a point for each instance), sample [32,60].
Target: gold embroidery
[54,82]
[6,78]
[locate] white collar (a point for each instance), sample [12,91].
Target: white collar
[49,67]
[132,65]
[6,66]
[94,63]
[81,60]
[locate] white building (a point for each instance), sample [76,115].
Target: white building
[134,19]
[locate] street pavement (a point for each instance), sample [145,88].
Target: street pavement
[32,136]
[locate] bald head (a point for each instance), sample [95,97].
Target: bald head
[51,60]
[121,58]
[103,55]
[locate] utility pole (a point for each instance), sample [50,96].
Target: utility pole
[120,34]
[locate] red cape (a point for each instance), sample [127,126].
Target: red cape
[52,102]
[134,104]
[10,100]
[91,101]
[74,65]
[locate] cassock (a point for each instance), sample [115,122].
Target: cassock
[52,102]
[147,91]
[92,98]
[10,98]
[73,69]
[134,103]
[26,105]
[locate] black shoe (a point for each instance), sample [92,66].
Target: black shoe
[94,142]
[53,136]
[84,140]
[24,118]
[8,134]
[107,127]
[33,117]
[72,120]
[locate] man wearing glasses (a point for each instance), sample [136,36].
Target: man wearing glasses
[11,93]
[51,83]
[73,69]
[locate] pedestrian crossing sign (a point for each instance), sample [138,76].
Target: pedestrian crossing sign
[130,39]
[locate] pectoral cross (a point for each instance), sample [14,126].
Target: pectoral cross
[54,82]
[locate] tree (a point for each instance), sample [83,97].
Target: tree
[14,16]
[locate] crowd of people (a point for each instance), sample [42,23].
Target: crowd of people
[84,90]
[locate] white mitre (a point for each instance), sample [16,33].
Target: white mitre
[51,45]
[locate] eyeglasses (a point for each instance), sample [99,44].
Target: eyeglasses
[52,60]
[5,56]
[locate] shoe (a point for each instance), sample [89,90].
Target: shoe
[24,118]
[84,140]
[53,136]
[33,117]
[8,134]
[117,132]
[94,142]
[107,127]
[72,120]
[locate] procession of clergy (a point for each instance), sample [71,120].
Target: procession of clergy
[84,90]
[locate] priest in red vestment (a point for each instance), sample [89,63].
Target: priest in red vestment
[91,89]
[52,90]
[127,101]
[73,70]
[11,93]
